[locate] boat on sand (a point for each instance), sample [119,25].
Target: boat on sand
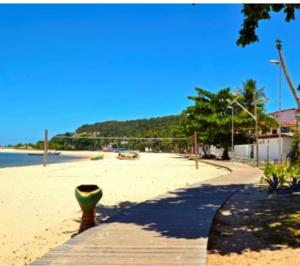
[128,155]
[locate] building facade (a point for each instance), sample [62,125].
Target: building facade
[287,119]
[271,142]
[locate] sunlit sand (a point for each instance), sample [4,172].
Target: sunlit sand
[39,210]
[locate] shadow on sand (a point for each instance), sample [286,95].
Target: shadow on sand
[253,220]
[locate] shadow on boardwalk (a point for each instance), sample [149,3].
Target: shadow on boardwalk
[185,213]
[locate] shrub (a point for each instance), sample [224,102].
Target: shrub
[279,177]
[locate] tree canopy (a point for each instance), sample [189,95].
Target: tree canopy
[247,94]
[209,112]
[254,13]
[211,116]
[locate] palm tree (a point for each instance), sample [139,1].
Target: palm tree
[248,95]
[249,92]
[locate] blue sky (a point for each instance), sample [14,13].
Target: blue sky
[62,66]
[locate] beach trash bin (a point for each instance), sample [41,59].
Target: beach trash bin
[88,196]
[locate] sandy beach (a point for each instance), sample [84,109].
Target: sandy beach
[39,210]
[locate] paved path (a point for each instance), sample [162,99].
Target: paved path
[169,230]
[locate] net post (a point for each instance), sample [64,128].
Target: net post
[45,158]
[196,150]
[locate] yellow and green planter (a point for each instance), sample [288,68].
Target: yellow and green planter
[88,196]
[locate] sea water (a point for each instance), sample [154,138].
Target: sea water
[8,159]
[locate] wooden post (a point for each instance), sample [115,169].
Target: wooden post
[196,149]
[45,159]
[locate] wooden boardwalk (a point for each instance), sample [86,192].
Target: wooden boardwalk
[169,230]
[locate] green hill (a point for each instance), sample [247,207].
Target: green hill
[140,128]
[152,127]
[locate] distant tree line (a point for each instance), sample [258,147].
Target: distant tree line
[87,137]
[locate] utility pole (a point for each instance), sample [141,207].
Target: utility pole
[286,73]
[280,144]
[289,81]
[279,105]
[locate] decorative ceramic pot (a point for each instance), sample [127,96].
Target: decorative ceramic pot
[87,197]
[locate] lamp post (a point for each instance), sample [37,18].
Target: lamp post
[276,62]
[254,116]
[232,128]
[256,129]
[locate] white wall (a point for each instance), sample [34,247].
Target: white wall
[268,149]
[243,151]
[215,151]
[272,144]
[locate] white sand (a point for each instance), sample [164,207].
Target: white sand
[39,210]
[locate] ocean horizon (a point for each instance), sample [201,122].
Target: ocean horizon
[14,159]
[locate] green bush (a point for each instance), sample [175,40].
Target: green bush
[277,176]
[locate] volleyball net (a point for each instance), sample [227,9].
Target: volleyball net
[115,143]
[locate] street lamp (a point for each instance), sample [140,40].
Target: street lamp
[232,127]
[276,62]
[254,116]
